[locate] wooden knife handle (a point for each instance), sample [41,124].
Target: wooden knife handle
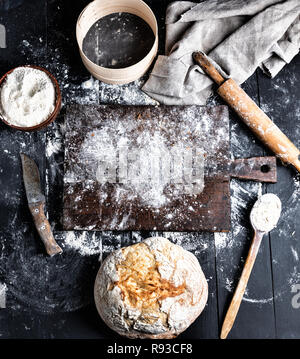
[44,229]
[240,290]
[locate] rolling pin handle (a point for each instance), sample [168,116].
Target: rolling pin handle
[297,163]
[251,114]
[264,128]
[201,59]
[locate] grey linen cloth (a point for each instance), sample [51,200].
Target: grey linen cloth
[238,35]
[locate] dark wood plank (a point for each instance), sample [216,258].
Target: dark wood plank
[35,283]
[63,60]
[87,214]
[20,18]
[202,245]
[19,235]
[82,324]
[280,99]
[256,316]
[91,205]
[131,94]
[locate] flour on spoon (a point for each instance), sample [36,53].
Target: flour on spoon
[266,212]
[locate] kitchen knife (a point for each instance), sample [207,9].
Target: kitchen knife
[36,204]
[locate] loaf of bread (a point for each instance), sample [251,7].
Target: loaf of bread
[153,289]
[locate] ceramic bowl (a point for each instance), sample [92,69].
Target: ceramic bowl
[57,107]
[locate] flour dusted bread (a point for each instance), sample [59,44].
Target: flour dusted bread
[153,289]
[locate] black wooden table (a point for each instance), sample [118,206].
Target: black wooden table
[52,298]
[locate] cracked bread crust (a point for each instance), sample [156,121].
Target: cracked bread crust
[152,289]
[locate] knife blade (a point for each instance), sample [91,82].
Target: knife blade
[32,181]
[36,204]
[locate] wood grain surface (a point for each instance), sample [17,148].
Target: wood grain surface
[82,208]
[93,205]
[42,32]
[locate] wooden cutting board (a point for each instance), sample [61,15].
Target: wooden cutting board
[139,168]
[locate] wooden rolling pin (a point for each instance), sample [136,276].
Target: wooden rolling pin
[251,114]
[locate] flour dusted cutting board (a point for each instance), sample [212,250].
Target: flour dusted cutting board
[152,168]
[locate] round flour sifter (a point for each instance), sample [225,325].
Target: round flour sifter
[101,26]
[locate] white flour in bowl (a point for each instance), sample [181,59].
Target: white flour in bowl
[266,212]
[27,97]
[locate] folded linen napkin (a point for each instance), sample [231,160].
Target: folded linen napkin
[239,35]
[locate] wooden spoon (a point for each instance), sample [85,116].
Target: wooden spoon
[264,217]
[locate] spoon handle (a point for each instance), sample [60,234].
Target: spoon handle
[239,292]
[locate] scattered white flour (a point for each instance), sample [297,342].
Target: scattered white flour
[229,246]
[149,187]
[27,97]
[154,166]
[229,285]
[266,212]
[294,277]
[295,254]
[90,84]
[192,242]
[221,240]
[3,289]
[259,301]
[296,192]
[54,142]
[86,245]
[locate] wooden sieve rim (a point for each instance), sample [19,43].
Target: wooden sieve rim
[96,10]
